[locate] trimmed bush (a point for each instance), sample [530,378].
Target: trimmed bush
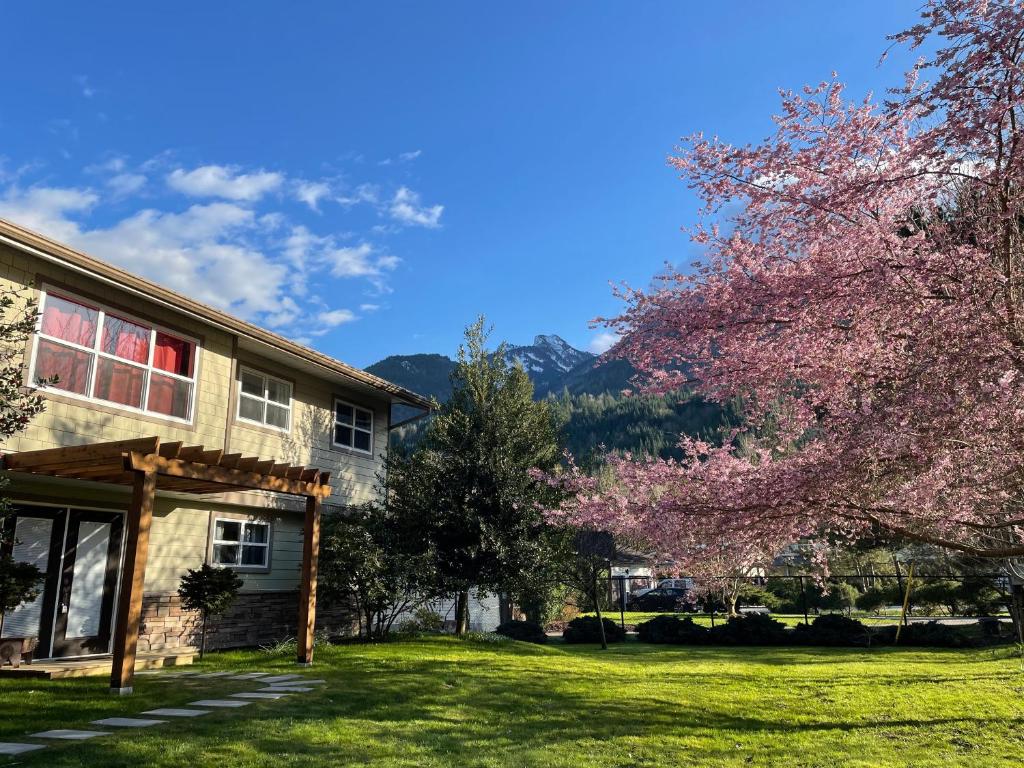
[930,634]
[833,629]
[750,629]
[526,631]
[585,629]
[672,630]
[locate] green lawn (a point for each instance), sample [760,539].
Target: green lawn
[445,702]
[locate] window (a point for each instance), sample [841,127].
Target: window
[103,355]
[241,544]
[264,400]
[353,427]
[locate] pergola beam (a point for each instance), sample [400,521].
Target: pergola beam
[234,478]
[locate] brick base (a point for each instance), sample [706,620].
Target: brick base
[255,618]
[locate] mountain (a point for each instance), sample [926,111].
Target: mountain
[552,363]
[589,403]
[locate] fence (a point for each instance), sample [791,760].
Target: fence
[954,598]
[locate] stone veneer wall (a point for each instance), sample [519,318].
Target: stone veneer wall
[256,618]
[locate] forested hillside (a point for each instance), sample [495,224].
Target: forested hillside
[586,394]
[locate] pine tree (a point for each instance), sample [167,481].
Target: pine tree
[470,478]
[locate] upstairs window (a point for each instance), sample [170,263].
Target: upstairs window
[353,427]
[241,544]
[262,399]
[106,356]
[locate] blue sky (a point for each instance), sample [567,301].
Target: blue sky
[369,177]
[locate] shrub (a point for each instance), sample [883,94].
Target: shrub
[526,631]
[423,620]
[833,629]
[750,629]
[877,598]
[930,634]
[585,629]
[210,591]
[672,630]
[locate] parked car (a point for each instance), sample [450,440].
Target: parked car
[662,599]
[684,584]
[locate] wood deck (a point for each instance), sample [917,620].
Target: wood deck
[52,669]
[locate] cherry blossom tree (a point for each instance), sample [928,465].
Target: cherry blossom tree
[865,304]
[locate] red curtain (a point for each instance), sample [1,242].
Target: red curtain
[67,320]
[70,366]
[125,339]
[168,396]
[119,382]
[172,355]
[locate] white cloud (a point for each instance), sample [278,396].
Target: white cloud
[224,181]
[364,193]
[404,157]
[83,82]
[369,307]
[311,193]
[405,208]
[335,317]
[602,342]
[219,253]
[124,184]
[359,261]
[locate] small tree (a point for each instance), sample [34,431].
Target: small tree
[375,561]
[19,582]
[208,590]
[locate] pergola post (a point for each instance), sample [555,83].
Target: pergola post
[307,597]
[129,602]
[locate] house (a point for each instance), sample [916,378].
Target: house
[175,435]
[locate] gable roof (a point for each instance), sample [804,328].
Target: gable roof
[52,251]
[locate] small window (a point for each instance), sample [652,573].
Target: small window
[264,400]
[241,544]
[353,427]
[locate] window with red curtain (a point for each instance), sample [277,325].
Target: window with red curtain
[123,361]
[70,321]
[125,339]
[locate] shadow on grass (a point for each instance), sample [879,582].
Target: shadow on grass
[449,703]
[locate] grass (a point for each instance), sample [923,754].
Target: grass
[440,701]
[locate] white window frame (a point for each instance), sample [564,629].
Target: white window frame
[96,353]
[239,566]
[243,369]
[335,424]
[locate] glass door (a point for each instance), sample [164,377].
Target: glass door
[88,583]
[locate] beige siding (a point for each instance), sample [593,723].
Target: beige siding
[181,528]
[309,440]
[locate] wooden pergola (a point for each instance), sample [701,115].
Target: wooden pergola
[145,465]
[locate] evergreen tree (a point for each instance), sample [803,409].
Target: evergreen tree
[19,582]
[469,480]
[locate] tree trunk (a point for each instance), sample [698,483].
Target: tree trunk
[462,613]
[1017,610]
[597,610]
[202,638]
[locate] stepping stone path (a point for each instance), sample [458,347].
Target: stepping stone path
[13,748]
[67,733]
[172,712]
[127,722]
[286,689]
[279,687]
[223,703]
